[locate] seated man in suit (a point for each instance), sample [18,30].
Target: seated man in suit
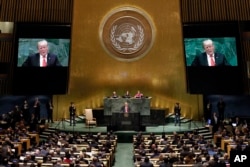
[210,57]
[126,108]
[114,95]
[146,163]
[43,58]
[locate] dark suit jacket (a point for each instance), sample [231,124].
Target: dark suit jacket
[123,109]
[177,110]
[201,60]
[146,164]
[72,111]
[213,123]
[34,60]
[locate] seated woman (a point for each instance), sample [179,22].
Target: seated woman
[138,94]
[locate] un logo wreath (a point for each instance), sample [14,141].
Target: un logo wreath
[127,33]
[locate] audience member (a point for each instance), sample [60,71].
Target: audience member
[146,163]
[165,163]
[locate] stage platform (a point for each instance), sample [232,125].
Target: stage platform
[127,135]
[168,127]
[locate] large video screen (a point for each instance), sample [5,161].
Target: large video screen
[198,50]
[213,58]
[42,56]
[57,51]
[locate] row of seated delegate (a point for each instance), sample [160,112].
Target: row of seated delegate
[236,138]
[63,149]
[185,149]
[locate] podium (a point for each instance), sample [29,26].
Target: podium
[140,105]
[126,121]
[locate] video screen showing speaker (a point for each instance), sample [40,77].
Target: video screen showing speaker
[42,55]
[213,58]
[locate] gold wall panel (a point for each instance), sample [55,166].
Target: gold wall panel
[94,74]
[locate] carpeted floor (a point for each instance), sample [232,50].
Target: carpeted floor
[124,155]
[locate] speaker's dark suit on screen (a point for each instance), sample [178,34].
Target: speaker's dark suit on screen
[201,60]
[34,60]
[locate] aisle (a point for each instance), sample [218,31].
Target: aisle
[123,156]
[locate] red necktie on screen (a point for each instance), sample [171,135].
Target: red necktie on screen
[44,63]
[212,61]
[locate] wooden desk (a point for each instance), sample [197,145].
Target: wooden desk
[36,136]
[27,141]
[229,147]
[224,142]
[18,146]
[216,137]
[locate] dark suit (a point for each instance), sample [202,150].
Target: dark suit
[50,107]
[221,109]
[124,110]
[72,113]
[177,113]
[208,111]
[34,60]
[146,164]
[201,60]
[215,123]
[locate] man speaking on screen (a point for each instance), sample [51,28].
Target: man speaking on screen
[43,58]
[209,57]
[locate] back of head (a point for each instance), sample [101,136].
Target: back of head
[146,159]
[166,160]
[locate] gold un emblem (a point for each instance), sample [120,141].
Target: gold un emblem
[127,33]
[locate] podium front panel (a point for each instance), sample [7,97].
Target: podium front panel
[126,121]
